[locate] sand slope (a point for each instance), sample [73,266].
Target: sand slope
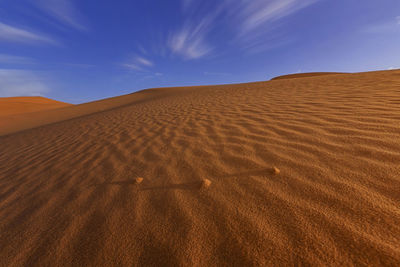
[19,122]
[68,195]
[305,75]
[19,105]
[16,113]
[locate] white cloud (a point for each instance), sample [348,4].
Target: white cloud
[255,14]
[64,11]
[21,83]
[138,63]
[190,40]
[258,22]
[153,76]
[390,26]
[10,59]
[189,44]
[14,34]
[144,61]
[247,21]
[132,66]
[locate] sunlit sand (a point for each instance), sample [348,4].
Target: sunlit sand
[300,171]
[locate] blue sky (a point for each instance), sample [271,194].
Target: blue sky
[83,50]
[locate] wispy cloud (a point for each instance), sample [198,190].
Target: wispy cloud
[189,42]
[389,26]
[258,22]
[153,76]
[138,63]
[10,59]
[15,34]
[64,11]
[257,14]
[143,61]
[247,21]
[21,83]
[217,73]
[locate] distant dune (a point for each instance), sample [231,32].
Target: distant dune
[305,75]
[278,173]
[18,113]
[20,105]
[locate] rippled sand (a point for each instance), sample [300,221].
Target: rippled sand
[69,194]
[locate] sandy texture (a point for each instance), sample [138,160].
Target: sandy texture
[69,196]
[305,75]
[19,105]
[16,112]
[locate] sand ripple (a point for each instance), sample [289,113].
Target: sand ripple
[68,194]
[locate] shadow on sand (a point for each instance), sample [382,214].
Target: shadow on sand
[262,172]
[184,186]
[143,187]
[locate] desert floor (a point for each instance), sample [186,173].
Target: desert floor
[69,196]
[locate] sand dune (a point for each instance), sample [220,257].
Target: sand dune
[69,194]
[305,75]
[20,122]
[19,105]
[16,112]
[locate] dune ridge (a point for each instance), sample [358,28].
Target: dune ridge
[20,122]
[17,113]
[305,75]
[19,105]
[69,196]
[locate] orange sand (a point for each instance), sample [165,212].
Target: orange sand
[69,197]
[18,110]
[305,75]
[19,105]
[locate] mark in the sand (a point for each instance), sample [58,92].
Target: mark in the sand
[139,180]
[185,186]
[260,172]
[205,183]
[276,171]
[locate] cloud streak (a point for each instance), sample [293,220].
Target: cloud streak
[258,22]
[64,11]
[247,21]
[21,83]
[386,27]
[256,14]
[190,41]
[138,63]
[14,34]
[10,59]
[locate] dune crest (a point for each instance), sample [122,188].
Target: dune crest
[305,75]
[20,105]
[69,194]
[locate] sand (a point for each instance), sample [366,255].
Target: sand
[20,105]
[69,196]
[305,75]
[18,111]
